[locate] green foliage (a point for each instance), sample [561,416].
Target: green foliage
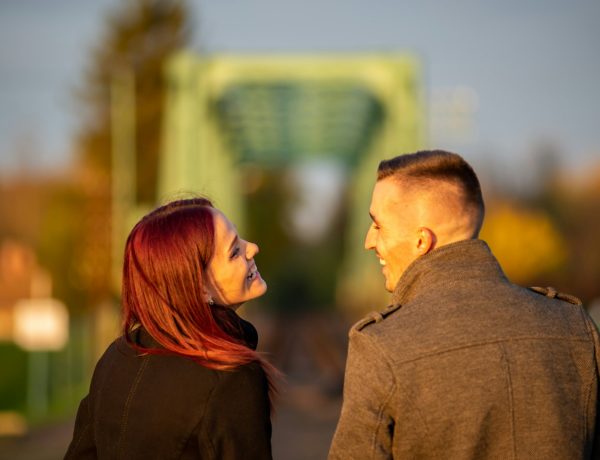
[14,377]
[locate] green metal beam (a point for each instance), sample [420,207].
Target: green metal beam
[226,110]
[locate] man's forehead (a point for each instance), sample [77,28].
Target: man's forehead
[380,202]
[404,190]
[393,198]
[388,191]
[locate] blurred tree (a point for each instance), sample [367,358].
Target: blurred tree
[572,201]
[575,203]
[60,244]
[567,211]
[139,37]
[22,199]
[45,214]
[525,241]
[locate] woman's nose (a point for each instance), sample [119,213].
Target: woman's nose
[251,250]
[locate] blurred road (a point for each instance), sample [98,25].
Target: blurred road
[303,431]
[299,433]
[48,443]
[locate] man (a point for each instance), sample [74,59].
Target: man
[463,364]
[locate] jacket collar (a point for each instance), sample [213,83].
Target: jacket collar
[235,326]
[467,259]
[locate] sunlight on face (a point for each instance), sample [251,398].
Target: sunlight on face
[392,233]
[232,272]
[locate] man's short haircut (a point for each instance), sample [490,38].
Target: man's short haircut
[437,165]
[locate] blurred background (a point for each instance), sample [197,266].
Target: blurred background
[280,112]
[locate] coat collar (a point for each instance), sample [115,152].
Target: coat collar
[439,268]
[229,321]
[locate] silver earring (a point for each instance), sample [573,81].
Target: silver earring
[211,302]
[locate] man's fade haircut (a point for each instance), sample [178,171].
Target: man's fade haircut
[437,165]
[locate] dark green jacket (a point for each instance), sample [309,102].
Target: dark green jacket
[466,365]
[169,407]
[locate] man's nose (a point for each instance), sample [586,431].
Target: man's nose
[370,239]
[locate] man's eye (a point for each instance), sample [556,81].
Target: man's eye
[235,252]
[375,226]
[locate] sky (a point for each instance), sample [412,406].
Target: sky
[530,69]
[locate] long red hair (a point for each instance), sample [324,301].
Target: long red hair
[164,275]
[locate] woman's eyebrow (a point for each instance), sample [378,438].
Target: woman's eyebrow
[233,243]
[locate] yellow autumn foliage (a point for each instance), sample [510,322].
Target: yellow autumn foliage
[525,241]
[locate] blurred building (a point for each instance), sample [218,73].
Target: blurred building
[20,278]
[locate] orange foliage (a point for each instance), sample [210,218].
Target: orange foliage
[525,241]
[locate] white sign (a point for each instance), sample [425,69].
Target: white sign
[40,324]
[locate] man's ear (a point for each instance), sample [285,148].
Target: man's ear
[426,240]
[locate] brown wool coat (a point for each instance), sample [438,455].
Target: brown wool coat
[466,365]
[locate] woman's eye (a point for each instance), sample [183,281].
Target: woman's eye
[235,252]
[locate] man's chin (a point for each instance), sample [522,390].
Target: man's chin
[390,283]
[388,286]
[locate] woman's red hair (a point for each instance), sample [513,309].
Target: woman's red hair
[164,279]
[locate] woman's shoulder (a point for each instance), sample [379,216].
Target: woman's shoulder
[246,372]
[175,372]
[247,381]
[161,366]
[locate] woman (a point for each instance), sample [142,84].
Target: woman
[184,381]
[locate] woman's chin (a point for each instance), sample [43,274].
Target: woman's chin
[259,288]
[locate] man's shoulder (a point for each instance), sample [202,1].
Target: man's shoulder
[373,318]
[552,293]
[436,323]
[385,329]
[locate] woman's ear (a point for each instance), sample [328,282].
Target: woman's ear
[426,240]
[207,295]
